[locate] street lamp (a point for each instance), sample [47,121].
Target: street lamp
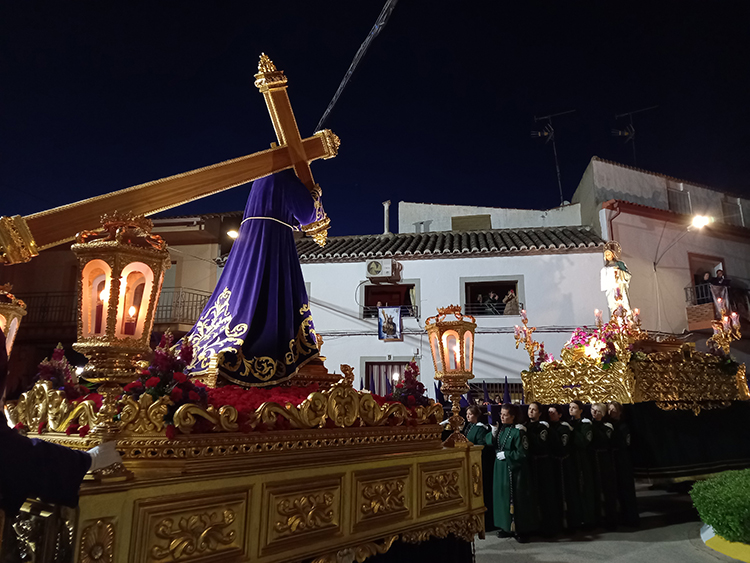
[698,222]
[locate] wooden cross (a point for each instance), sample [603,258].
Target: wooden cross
[22,237]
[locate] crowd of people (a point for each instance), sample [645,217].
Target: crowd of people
[557,471]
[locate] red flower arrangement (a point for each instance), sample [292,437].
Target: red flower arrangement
[58,371]
[410,391]
[166,376]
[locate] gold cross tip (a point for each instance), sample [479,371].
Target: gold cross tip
[265,64]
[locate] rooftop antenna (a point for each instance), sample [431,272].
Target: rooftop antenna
[629,131]
[548,133]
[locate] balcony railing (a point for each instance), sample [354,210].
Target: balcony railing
[180,305]
[176,305]
[486,309]
[406,311]
[698,294]
[60,308]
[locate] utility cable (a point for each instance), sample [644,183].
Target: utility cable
[379,25]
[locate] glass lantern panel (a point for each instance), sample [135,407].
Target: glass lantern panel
[452,351]
[136,282]
[11,335]
[468,350]
[436,352]
[95,297]
[3,322]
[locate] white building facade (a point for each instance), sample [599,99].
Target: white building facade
[554,272]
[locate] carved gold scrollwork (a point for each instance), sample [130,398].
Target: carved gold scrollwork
[196,534]
[464,527]
[305,513]
[225,419]
[476,479]
[442,487]
[43,404]
[97,543]
[383,497]
[359,553]
[145,415]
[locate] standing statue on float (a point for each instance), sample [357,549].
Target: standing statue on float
[256,329]
[615,278]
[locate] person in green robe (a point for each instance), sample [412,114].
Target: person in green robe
[512,503]
[628,513]
[605,480]
[476,431]
[566,495]
[581,454]
[540,463]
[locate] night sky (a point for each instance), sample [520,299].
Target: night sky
[98,96]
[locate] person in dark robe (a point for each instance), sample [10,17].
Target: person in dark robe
[542,486]
[605,478]
[476,431]
[33,468]
[512,503]
[566,501]
[628,513]
[581,453]
[256,329]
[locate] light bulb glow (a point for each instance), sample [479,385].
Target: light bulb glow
[103,295]
[131,311]
[395,376]
[700,221]
[233,234]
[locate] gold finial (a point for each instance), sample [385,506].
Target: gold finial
[268,76]
[265,64]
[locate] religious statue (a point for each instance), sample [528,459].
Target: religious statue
[615,277]
[256,328]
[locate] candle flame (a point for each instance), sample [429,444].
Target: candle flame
[131,311]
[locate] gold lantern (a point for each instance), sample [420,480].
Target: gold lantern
[120,272]
[452,347]
[12,311]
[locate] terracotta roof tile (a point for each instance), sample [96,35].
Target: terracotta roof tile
[446,244]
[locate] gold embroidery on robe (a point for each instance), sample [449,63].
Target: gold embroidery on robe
[213,335]
[262,368]
[305,341]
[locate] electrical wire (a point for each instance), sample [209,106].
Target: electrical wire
[385,13]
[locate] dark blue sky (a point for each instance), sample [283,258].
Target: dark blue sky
[98,96]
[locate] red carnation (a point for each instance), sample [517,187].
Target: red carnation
[145,372]
[199,383]
[83,430]
[176,395]
[399,385]
[41,427]
[193,396]
[170,431]
[152,381]
[133,387]
[19,426]
[180,377]
[411,400]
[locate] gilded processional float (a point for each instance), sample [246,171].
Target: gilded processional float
[658,382]
[310,470]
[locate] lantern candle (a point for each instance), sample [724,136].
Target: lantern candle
[637,315]
[725,322]
[598,316]
[735,320]
[523,314]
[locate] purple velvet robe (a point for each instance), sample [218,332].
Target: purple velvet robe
[257,323]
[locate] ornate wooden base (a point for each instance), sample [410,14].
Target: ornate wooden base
[296,507]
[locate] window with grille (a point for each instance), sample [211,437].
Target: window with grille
[732,212]
[679,201]
[390,295]
[487,297]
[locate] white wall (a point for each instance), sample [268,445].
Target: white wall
[561,290]
[195,268]
[659,293]
[427,217]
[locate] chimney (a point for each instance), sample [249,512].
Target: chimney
[386,218]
